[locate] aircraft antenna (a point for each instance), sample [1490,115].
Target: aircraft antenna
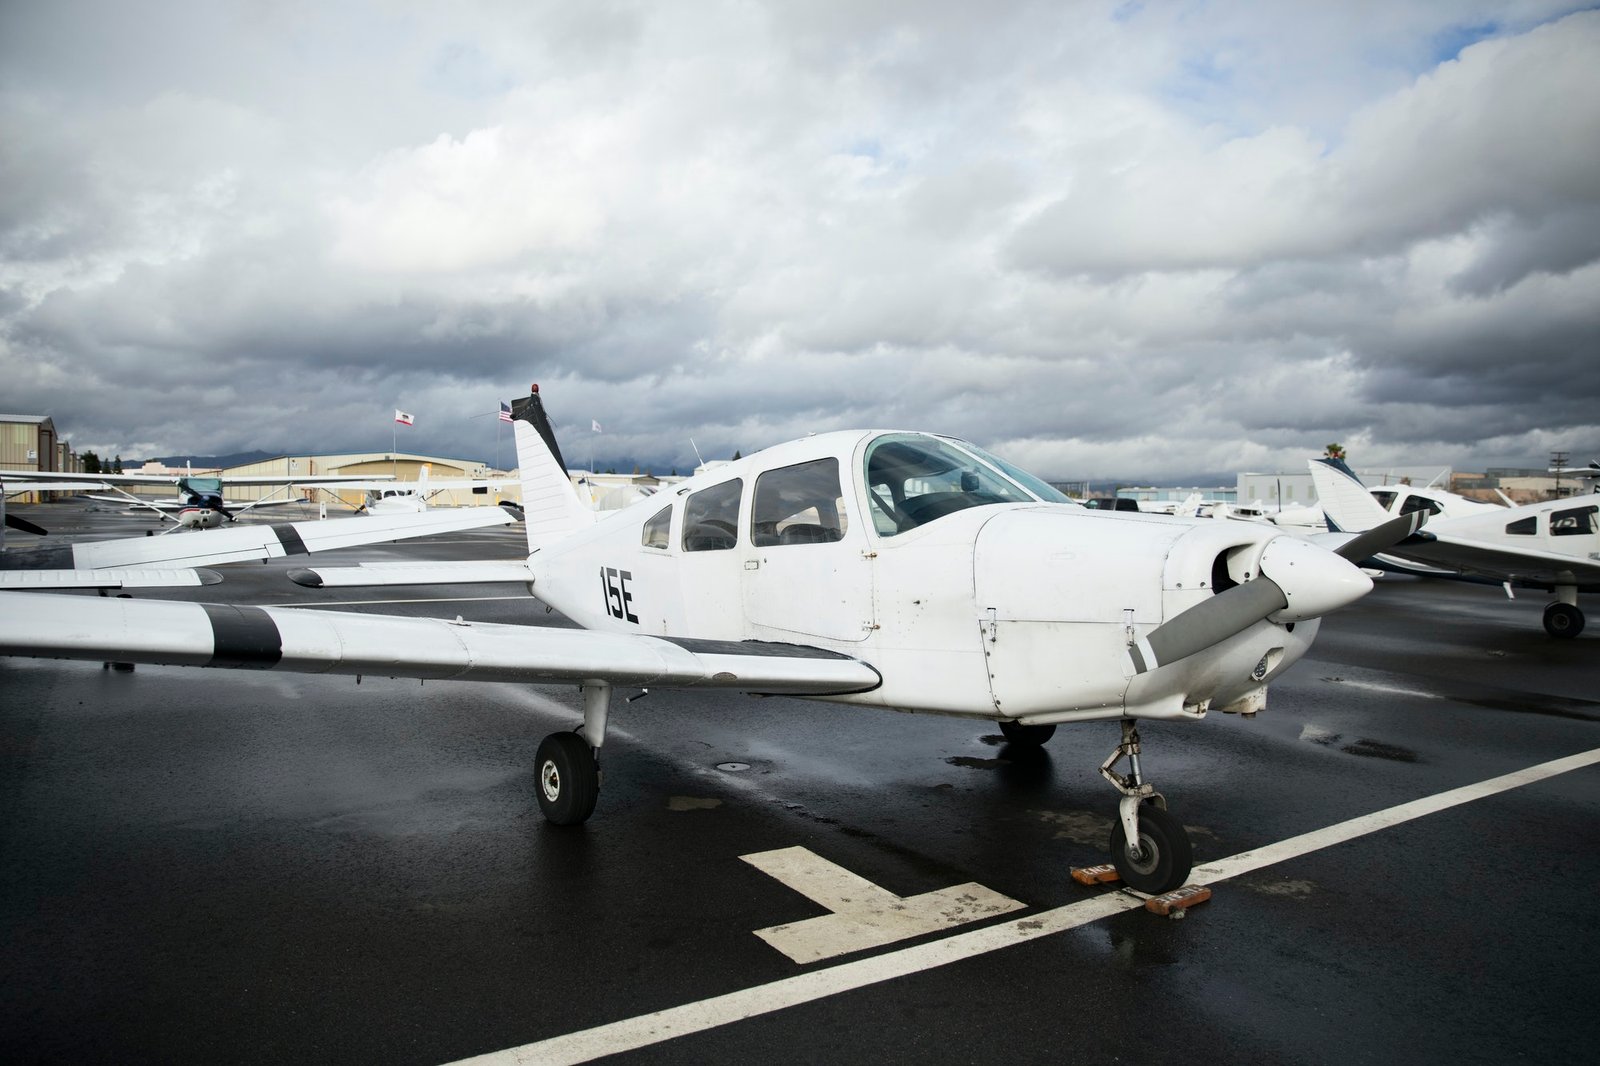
[696,448]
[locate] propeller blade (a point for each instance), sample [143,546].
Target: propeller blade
[1206,623]
[1382,536]
[13,522]
[1298,580]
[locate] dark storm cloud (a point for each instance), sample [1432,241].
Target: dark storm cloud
[1108,239]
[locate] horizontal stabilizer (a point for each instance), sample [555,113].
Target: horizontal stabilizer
[488,571]
[40,580]
[242,543]
[341,642]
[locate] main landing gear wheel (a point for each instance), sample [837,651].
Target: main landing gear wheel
[1161,860]
[567,778]
[1563,620]
[1031,736]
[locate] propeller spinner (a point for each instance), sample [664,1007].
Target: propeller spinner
[1297,580]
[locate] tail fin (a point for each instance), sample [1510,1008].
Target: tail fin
[551,507]
[1346,503]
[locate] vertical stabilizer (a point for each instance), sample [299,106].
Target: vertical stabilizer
[1346,502]
[550,503]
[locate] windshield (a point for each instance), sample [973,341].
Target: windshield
[913,479]
[1036,485]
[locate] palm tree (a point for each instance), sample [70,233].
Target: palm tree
[1333,451]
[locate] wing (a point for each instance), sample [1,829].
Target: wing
[348,480]
[54,486]
[127,501]
[243,543]
[173,479]
[483,572]
[1501,562]
[33,580]
[318,642]
[101,480]
[430,485]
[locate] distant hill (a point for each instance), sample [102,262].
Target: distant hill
[204,462]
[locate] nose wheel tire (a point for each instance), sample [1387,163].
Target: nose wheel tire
[567,778]
[1563,620]
[1032,736]
[1163,857]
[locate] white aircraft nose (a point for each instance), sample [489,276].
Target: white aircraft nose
[1314,580]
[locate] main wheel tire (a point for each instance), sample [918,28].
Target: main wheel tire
[566,778]
[1031,736]
[1563,621]
[1165,855]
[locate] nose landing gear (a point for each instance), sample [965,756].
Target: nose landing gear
[1149,847]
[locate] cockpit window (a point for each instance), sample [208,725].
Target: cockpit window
[914,479]
[1385,499]
[1575,522]
[1419,503]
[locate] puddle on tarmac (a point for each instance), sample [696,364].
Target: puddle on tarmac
[977,764]
[692,803]
[1374,749]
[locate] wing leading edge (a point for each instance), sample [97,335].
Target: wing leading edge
[314,641]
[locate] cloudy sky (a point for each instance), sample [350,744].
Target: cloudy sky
[1147,240]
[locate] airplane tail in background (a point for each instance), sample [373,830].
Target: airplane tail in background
[550,503]
[1346,503]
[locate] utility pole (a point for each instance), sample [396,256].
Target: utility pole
[1559,461]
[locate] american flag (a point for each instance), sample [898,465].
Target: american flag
[505,412]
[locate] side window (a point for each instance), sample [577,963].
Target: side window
[1577,521]
[1523,527]
[711,518]
[1419,503]
[799,504]
[657,530]
[1385,499]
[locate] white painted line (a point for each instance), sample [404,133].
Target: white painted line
[647,1029]
[1246,861]
[864,914]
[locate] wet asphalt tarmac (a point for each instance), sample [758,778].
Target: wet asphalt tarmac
[227,866]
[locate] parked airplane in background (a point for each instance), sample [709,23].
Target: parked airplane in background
[389,496]
[199,504]
[1553,546]
[1394,499]
[898,570]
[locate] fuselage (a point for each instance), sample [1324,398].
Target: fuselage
[971,587]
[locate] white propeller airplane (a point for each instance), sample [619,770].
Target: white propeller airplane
[199,504]
[413,497]
[897,570]
[1553,545]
